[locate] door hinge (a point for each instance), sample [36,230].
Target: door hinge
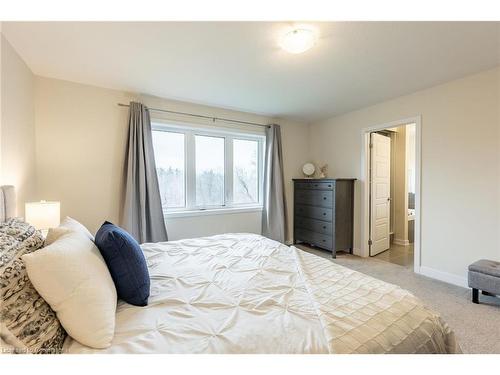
[370,242]
[371,145]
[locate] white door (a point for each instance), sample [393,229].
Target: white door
[380,193]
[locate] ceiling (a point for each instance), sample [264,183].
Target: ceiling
[238,65]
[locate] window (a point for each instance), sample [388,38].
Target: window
[170,163]
[209,154]
[200,169]
[245,171]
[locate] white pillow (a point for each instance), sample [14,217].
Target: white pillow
[72,224]
[71,275]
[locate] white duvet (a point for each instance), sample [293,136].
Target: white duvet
[243,293]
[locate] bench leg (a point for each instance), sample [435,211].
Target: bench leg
[475,295]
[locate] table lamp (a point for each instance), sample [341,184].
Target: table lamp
[43,215]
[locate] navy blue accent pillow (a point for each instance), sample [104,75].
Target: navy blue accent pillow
[126,263]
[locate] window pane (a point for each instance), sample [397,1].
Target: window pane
[209,171]
[245,171]
[169,158]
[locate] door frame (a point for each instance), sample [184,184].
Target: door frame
[365,186]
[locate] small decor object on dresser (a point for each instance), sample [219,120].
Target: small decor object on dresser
[308,169]
[323,170]
[323,213]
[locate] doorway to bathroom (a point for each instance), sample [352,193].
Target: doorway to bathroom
[392,230]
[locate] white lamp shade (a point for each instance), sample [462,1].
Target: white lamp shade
[43,215]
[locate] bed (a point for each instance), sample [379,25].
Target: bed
[244,293]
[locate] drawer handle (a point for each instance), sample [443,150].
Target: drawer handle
[324,226]
[324,198]
[329,185]
[324,213]
[324,240]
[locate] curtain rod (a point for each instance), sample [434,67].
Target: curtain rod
[202,116]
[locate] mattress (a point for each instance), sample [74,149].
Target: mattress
[243,293]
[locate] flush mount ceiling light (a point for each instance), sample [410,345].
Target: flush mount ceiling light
[298,40]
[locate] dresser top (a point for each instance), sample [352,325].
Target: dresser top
[322,179]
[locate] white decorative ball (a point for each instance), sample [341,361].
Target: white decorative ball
[308,169]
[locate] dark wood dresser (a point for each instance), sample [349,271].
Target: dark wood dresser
[324,213]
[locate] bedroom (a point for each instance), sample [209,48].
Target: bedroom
[199,154]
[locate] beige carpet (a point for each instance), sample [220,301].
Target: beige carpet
[477,327]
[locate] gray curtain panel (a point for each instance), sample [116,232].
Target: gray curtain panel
[142,214]
[274,219]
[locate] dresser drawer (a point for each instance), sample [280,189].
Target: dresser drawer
[315,185]
[320,240]
[322,198]
[319,213]
[313,225]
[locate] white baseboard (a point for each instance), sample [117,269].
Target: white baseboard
[400,242]
[358,253]
[443,276]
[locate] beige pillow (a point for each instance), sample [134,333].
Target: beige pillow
[54,234]
[71,275]
[68,224]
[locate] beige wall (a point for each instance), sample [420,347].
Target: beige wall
[17,139]
[80,146]
[460,166]
[410,156]
[1,48]
[81,138]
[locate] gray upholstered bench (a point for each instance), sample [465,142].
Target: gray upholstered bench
[484,275]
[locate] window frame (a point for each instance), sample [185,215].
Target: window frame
[190,132]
